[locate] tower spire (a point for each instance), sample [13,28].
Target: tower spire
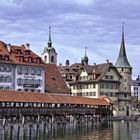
[49,40]
[85,59]
[122,60]
[85,51]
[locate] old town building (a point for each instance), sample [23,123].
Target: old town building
[23,70]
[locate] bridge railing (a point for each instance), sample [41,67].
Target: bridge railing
[30,111]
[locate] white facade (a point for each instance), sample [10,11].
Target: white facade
[6,76]
[88,87]
[49,56]
[135,88]
[29,78]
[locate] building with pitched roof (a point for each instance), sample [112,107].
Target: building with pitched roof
[21,69]
[97,80]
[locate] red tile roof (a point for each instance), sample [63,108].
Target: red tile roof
[14,56]
[13,96]
[54,83]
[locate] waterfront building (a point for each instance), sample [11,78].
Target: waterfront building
[97,80]
[21,69]
[135,90]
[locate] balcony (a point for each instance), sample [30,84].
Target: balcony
[30,85]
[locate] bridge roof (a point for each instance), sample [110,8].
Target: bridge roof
[13,96]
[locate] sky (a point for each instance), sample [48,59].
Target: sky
[75,24]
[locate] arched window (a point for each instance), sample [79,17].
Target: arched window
[45,58]
[52,59]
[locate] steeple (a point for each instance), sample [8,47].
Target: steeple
[49,54]
[122,60]
[85,59]
[49,40]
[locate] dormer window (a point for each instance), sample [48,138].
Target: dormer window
[18,51]
[27,52]
[0,57]
[21,59]
[6,58]
[30,59]
[38,60]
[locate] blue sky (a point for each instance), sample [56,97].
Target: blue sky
[76,24]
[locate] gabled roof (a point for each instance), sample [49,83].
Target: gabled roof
[54,83]
[13,96]
[99,70]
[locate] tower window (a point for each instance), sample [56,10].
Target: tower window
[52,59]
[45,58]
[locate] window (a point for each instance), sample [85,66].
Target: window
[45,58]
[52,59]
[26,71]
[19,81]
[21,59]
[38,60]
[6,58]
[32,71]
[106,76]
[39,72]
[25,81]
[0,57]
[111,77]
[94,93]
[125,88]
[8,79]
[8,69]
[30,59]
[19,70]
[1,79]
[1,68]
[18,51]
[27,52]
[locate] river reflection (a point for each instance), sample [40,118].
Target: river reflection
[84,131]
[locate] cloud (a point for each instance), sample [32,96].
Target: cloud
[76,24]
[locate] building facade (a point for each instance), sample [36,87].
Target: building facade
[96,81]
[21,69]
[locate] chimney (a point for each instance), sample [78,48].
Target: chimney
[9,47]
[27,46]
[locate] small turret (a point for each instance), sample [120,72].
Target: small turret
[85,59]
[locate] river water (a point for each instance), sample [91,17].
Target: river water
[84,131]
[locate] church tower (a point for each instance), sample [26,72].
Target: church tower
[84,60]
[49,54]
[125,69]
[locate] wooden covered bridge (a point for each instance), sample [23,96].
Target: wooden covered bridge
[24,107]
